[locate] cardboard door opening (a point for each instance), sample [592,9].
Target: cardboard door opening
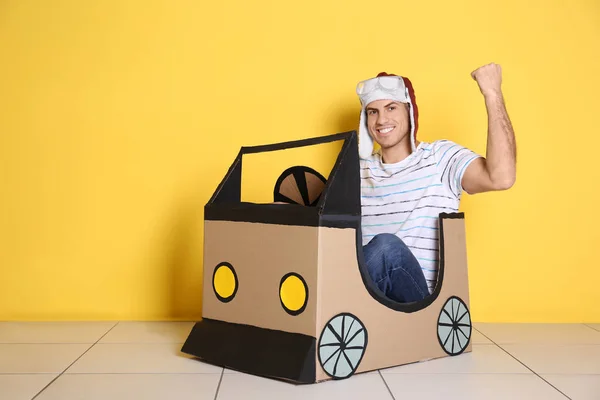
[386,301]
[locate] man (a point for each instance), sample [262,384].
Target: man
[407,183]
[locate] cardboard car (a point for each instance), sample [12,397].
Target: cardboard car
[286,293]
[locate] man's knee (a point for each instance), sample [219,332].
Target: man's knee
[389,243]
[387,240]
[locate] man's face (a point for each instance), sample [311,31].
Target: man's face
[388,122]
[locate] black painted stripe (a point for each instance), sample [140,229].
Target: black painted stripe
[421,237]
[301,184]
[408,201]
[423,248]
[431,154]
[396,173]
[278,214]
[410,211]
[451,161]
[296,143]
[259,351]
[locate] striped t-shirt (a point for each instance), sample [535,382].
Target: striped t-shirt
[406,198]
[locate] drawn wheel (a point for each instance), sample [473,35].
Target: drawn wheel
[454,326]
[342,345]
[299,185]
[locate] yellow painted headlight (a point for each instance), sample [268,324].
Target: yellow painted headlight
[293,293]
[225,282]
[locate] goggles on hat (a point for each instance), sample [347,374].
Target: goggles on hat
[389,84]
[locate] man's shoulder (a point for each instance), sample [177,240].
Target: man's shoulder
[441,143]
[440,147]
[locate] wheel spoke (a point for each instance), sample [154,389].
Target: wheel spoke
[336,362]
[453,341]
[445,324]
[331,356]
[343,328]
[335,333]
[462,316]
[302,186]
[330,344]
[449,316]
[446,341]
[459,308]
[355,348]
[348,360]
[355,334]
[452,307]
[350,329]
[464,334]
[467,325]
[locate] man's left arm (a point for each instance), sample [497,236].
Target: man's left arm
[497,171]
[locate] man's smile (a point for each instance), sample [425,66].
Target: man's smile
[386,129]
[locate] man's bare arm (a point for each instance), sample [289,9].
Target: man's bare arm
[497,171]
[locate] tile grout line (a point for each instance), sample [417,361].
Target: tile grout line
[77,359]
[123,373]
[219,384]
[591,327]
[523,364]
[386,384]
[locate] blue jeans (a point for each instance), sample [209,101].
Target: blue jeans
[394,269]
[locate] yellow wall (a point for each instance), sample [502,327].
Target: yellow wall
[119,118]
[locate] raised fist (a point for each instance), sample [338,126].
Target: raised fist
[489,79]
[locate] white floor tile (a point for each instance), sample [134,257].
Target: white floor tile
[53,332]
[149,332]
[478,338]
[577,387]
[249,387]
[132,386]
[230,371]
[471,387]
[558,359]
[484,359]
[539,333]
[139,358]
[23,387]
[38,358]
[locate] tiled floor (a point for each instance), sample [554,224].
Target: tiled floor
[142,360]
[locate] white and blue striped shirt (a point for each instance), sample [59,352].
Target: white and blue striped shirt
[406,198]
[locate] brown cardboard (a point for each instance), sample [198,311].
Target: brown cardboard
[395,338]
[289,188]
[322,244]
[261,255]
[315,186]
